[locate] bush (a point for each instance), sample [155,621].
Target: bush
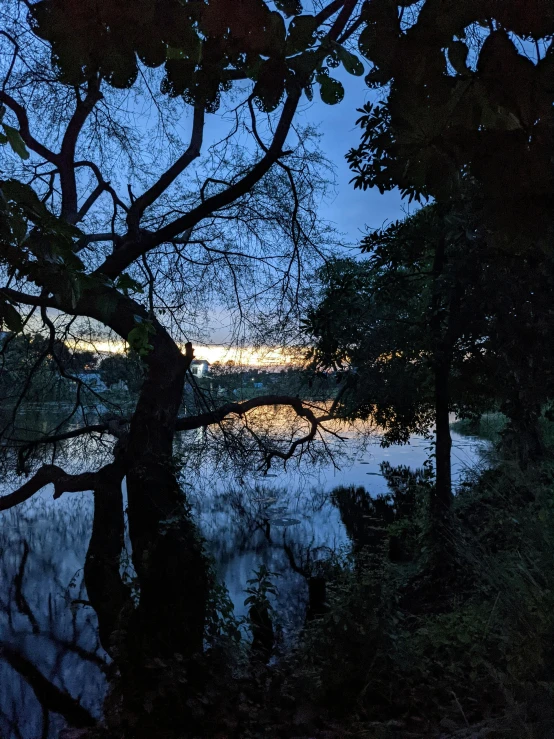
[436,656]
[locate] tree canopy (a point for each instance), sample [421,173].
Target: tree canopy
[435,298]
[154,173]
[466,92]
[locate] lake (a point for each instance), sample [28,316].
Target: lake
[246,519]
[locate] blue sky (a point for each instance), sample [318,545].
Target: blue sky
[351,209]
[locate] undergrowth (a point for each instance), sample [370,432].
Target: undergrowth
[408,650]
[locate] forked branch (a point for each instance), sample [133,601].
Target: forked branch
[51,474]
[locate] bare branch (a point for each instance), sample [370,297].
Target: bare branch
[239,409]
[217,415]
[14,57]
[97,428]
[134,247]
[124,256]
[26,299]
[48,474]
[67,154]
[101,181]
[89,202]
[24,130]
[177,168]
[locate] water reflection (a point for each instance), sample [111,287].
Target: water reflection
[47,641]
[52,664]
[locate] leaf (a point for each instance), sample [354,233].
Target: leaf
[330,89]
[457,56]
[190,48]
[289,7]
[270,86]
[127,284]
[276,36]
[18,227]
[11,318]
[139,337]
[172,53]
[349,61]
[15,141]
[301,34]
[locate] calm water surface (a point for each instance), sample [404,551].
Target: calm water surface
[246,522]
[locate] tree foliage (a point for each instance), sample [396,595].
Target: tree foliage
[436,298]
[467,92]
[117,222]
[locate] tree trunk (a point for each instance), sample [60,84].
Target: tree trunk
[167,551]
[107,593]
[442,498]
[522,438]
[440,326]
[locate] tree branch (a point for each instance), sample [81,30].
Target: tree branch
[117,262]
[24,130]
[14,57]
[51,474]
[242,408]
[26,299]
[101,181]
[89,202]
[110,427]
[151,195]
[66,164]
[209,418]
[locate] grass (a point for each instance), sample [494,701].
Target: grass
[488,427]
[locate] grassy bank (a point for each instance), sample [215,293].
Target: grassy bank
[488,427]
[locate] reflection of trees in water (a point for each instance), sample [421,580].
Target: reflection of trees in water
[52,656]
[289,533]
[366,519]
[51,663]
[49,640]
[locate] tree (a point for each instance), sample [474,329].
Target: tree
[80,247]
[125,368]
[436,309]
[466,113]
[411,328]
[470,95]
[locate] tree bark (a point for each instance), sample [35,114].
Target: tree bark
[442,498]
[167,551]
[108,595]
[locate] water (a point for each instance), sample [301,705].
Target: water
[246,521]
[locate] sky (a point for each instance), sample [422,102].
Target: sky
[351,211]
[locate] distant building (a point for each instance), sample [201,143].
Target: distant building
[199,367]
[93,380]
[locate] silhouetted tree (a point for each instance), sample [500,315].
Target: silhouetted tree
[102,229]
